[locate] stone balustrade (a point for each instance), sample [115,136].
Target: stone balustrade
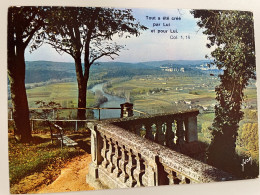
[169,129]
[121,158]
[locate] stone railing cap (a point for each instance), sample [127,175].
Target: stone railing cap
[181,114]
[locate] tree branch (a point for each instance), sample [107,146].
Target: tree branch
[103,54]
[60,48]
[27,41]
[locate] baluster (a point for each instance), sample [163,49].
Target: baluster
[149,177]
[169,136]
[116,158]
[145,175]
[191,133]
[149,133]
[180,132]
[159,137]
[122,164]
[139,171]
[131,165]
[181,178]
[104,152]
[110,154]
[175,177]
[171,175]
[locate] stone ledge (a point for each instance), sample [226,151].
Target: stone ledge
[175,115]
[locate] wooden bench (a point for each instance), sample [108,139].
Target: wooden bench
[65,140]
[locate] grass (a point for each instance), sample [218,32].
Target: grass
[26,159]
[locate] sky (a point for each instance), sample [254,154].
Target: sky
[171,39]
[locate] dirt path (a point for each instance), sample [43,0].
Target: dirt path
[72,177]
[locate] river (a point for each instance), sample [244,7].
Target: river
[113,101]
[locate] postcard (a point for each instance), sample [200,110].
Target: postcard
[103,98]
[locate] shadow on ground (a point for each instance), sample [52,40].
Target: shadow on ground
[83,140]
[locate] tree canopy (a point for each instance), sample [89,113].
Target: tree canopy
[24,25]
[232,35]
[89,31]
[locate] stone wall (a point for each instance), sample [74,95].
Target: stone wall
[122,158]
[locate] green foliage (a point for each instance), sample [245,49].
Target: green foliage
[232,33]
[206,129]
[25,159]
[248,137]
[29,20]
[47,112]
[194,92]
[156,90]
[92,28]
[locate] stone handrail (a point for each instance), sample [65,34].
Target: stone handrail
[122,159]
[169,129]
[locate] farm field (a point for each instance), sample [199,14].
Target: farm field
[153,94]
[63,93]
[161,93]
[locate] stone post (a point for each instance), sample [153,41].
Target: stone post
[169,136]
[159,136]
[126,110]
[180,132]
[148,128]
[150,178]
[96,146]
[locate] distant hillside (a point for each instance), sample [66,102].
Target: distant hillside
[49,65]
[69,67]
[109,65]
[37,76]
[41,71]
[176,62]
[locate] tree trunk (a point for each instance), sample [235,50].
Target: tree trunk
[82,89]
[82,99]
[16,74]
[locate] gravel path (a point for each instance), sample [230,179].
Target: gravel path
[72,177]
